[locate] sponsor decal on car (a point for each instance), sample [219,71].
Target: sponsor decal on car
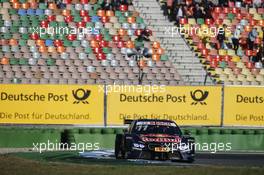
[174,139]
[158,123]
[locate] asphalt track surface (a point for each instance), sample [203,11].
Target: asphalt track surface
[202,159]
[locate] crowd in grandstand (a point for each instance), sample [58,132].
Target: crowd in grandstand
[176,10]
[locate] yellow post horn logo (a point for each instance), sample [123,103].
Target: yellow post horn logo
[199,96]
[81,95]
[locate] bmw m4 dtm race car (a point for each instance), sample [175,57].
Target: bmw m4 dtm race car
[154,139]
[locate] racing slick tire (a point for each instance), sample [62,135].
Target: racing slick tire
[119,147]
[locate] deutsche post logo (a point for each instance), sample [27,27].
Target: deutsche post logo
[81,95]
[199,96]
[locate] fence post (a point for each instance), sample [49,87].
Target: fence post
[222,107]
[105,105]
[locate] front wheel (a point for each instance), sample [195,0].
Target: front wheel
[119,147]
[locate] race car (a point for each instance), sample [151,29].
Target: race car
[154,139]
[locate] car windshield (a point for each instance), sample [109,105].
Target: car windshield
[156,128]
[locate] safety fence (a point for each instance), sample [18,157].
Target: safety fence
[208,139]
[109,105]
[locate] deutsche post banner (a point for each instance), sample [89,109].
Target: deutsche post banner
[51,104]
[244,106]
[191,105]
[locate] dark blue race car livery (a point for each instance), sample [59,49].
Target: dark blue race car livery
[154,140]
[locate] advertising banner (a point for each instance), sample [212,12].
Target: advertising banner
[244,106]
[51,104]
[186,105]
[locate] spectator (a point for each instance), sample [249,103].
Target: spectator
[188,11]
[107,5]
[115,4]
[180,14]
[240,52]
[259,54]
[221,37]
[61,4]
[197,12]
[208,7]
[257,3]
[175,10]
[251,38]
[235,38]
[165,9]
[175,3]
[223,3]
[170,9]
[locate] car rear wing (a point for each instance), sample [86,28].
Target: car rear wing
[128,121]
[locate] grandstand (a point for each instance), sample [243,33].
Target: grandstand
[225,65]
[31,57]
